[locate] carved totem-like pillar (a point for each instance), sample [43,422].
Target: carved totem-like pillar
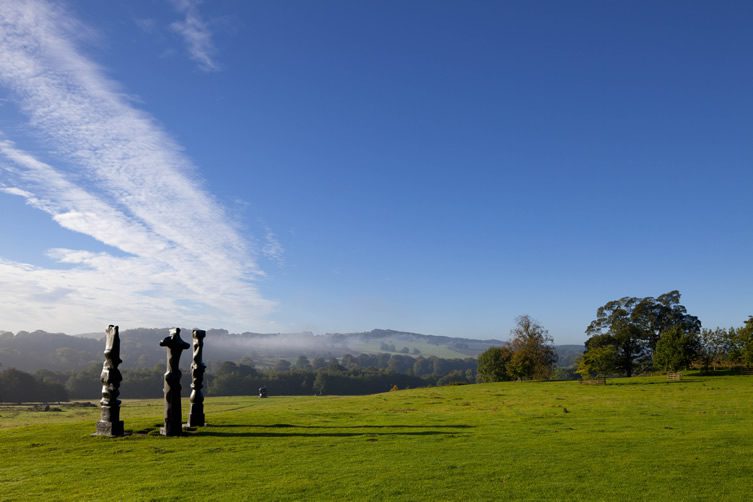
[174,346]
[196,417]
[109,423]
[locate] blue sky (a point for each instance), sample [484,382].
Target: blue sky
[438,167]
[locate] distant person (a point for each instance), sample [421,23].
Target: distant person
[262,392]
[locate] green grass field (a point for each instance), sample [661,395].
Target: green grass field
[634,439]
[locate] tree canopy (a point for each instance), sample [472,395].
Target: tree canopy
[599,361]
[532,353]
[634,326]
[744,349]
[529,355]
[676,349]
[493,364]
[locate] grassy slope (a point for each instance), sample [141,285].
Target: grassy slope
[638,438]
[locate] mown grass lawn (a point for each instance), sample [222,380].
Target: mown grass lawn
[634,439]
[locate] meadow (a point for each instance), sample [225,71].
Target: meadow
[633,439]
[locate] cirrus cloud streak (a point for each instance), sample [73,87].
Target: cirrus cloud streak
[119,178]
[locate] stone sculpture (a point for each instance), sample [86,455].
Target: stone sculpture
[174,346]
[196,416]
[109,423]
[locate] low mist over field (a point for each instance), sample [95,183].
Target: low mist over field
[59,352]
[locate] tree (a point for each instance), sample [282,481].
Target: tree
[320,383]
[634,326]
[423,367]
[17,386]
[614,325]
[630,349]
[439,366]
[676,349]
[492,364]
[302,363]
[85,383]
[744,340]
[717,346]
[454,377]
[532,353]
[599,361]
[350,362]
[367,361]
[319,363]
[334,366]
[656,316]
[401,364]
[282,366]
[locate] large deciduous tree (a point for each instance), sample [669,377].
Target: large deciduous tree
[493,364]
[657,315]
[598,361]
[529,355]
[532,353]
[634,326]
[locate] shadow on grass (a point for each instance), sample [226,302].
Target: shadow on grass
[208,430]
[286,426]
[723,372]
[662,382]
[320,434]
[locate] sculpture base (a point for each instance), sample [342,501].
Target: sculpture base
[196,420]
[171,431]
[110,428]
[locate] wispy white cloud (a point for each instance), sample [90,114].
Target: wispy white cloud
[195,33]
[131,188]
[272,248]
[146,24]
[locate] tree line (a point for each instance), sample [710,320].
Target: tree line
[349,375]
[629,336]
[634,335]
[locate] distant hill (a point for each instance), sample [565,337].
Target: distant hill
[139,347]
[567,355]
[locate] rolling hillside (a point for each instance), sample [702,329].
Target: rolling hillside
[633,439]
[59,352]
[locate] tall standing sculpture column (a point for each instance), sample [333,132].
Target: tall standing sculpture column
[174,346]
[196,417]
[109,423]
